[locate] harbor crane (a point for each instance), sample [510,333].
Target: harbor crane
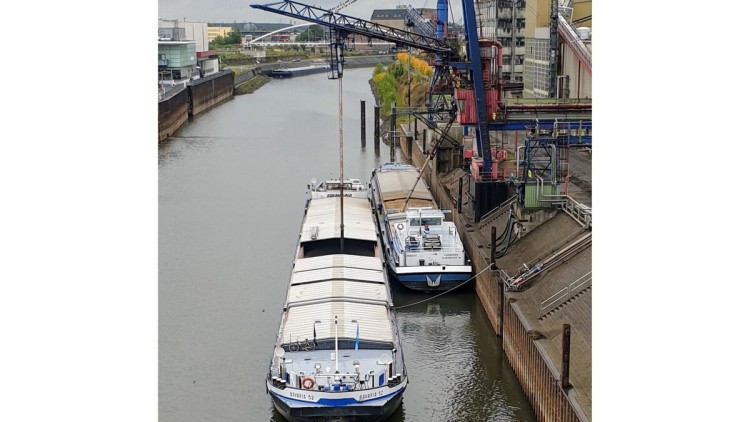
[470,78]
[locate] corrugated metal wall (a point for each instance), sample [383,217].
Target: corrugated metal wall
[538,380]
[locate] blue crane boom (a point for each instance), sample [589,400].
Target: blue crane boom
[350,24]
[475,67]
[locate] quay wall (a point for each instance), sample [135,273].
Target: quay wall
[198,97]
[210,91]
[173,113]
[534,369]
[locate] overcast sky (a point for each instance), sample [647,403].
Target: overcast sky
[240,10]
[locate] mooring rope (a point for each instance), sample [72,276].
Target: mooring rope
[447,291]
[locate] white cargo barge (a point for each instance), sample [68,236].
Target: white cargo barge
[338,354]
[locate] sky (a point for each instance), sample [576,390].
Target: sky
[240,10]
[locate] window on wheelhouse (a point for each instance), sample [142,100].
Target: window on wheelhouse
[432,221]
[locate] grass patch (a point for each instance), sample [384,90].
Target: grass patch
[252,85]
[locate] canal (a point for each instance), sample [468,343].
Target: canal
[231,196]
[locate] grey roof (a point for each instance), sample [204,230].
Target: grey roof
[323,220]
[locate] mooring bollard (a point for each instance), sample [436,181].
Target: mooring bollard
[363,123]
[564,375]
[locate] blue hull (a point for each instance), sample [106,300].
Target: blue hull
[339,413]
[419,281]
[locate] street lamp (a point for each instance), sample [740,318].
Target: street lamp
[356,339]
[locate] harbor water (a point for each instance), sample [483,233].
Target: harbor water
[231,197]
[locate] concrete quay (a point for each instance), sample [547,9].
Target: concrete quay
[533,319]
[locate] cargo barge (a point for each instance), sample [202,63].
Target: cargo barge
[338,354]
[423,250]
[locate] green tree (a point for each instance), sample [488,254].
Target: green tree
[219,40]
[397,70]
[388,91]
[312,33]
[234,37]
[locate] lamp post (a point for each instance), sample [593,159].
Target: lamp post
[356,339]
[409,24]
[162,75]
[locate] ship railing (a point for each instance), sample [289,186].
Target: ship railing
[352,381]
[564,294]
[422,248]
[443,247]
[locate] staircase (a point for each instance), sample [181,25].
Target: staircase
[422,25]
[557,301]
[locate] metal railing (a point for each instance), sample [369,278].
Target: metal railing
[574,41]
[581,213]
[166,93]
[497,211]
[557,258]
[566,293]
[424,26]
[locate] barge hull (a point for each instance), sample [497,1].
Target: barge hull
[377,413]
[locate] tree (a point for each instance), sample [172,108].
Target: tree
[312,33]
[234,37]
[397,70]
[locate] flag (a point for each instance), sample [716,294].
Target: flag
[356,340]
[315,340]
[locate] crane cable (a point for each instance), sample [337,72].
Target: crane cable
[342,5]
[341,157]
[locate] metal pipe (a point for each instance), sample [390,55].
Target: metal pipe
[554,168]
[518,160]
[568,248]
[548,263]
[538,188]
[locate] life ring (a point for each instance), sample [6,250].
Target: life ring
[400,226]
[307,383]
